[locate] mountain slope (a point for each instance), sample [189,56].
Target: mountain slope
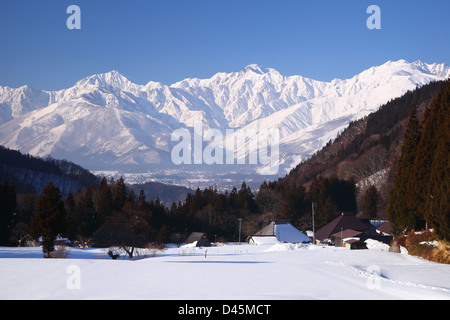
[369,148]
[107,122]
[32,174]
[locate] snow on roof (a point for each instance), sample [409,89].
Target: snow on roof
[264,240]
[282,231]
[286,232]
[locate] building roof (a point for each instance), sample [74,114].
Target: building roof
[268,230]
[345,221]
[283,231]
[347,233]
[350,241]
[263,240]
[200,238]
[385,228]
[195,236]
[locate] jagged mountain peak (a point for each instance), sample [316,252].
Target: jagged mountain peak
[255,68]
[106,120]
[112,78]
[440,69]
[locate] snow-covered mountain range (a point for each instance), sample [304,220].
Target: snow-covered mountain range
[106,122]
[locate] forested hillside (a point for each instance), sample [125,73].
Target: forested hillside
[368,150]
[31,174]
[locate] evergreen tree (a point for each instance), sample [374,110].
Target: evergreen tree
[294,204]
[437,201]
[233,198]
[163,234]
[105,201]
[370,202]
[8,205]
[71,216]
[342,193]
[50,218]
[402,217]
[131,196]
[141,199]
[420,173]
[120,194]
[246,199]
[324,208]
[87,215]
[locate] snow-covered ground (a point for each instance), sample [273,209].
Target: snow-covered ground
[227,272]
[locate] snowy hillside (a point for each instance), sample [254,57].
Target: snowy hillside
[229,272]
[106,122]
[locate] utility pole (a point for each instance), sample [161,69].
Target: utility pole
[240,219]
[314,231]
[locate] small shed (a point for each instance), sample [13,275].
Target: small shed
[341,236]
[199,238]
[353,244]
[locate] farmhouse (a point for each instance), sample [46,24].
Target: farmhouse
[350,232]
[278,231]
[347,220]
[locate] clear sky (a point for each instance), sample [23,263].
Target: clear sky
[169,40]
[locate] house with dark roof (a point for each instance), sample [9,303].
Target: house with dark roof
[346,221]
[385,229]
[347,230]
[344,236]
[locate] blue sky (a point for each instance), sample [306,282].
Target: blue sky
[169,40]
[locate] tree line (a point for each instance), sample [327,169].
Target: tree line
[420,196]
[116,211]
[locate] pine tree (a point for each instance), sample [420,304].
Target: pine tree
[437,201]
[399,213]
[417,189]
[71,216]
[163,234]
[87,215]
[50,218]
[294,204]
[8,205]
[105,201]
[141,199]
[370,202]
[324,208]
[246,199]
[120,194]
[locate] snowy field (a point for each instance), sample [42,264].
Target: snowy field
[228,272]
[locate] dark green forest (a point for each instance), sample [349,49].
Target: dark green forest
[206,210]
[420,195]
